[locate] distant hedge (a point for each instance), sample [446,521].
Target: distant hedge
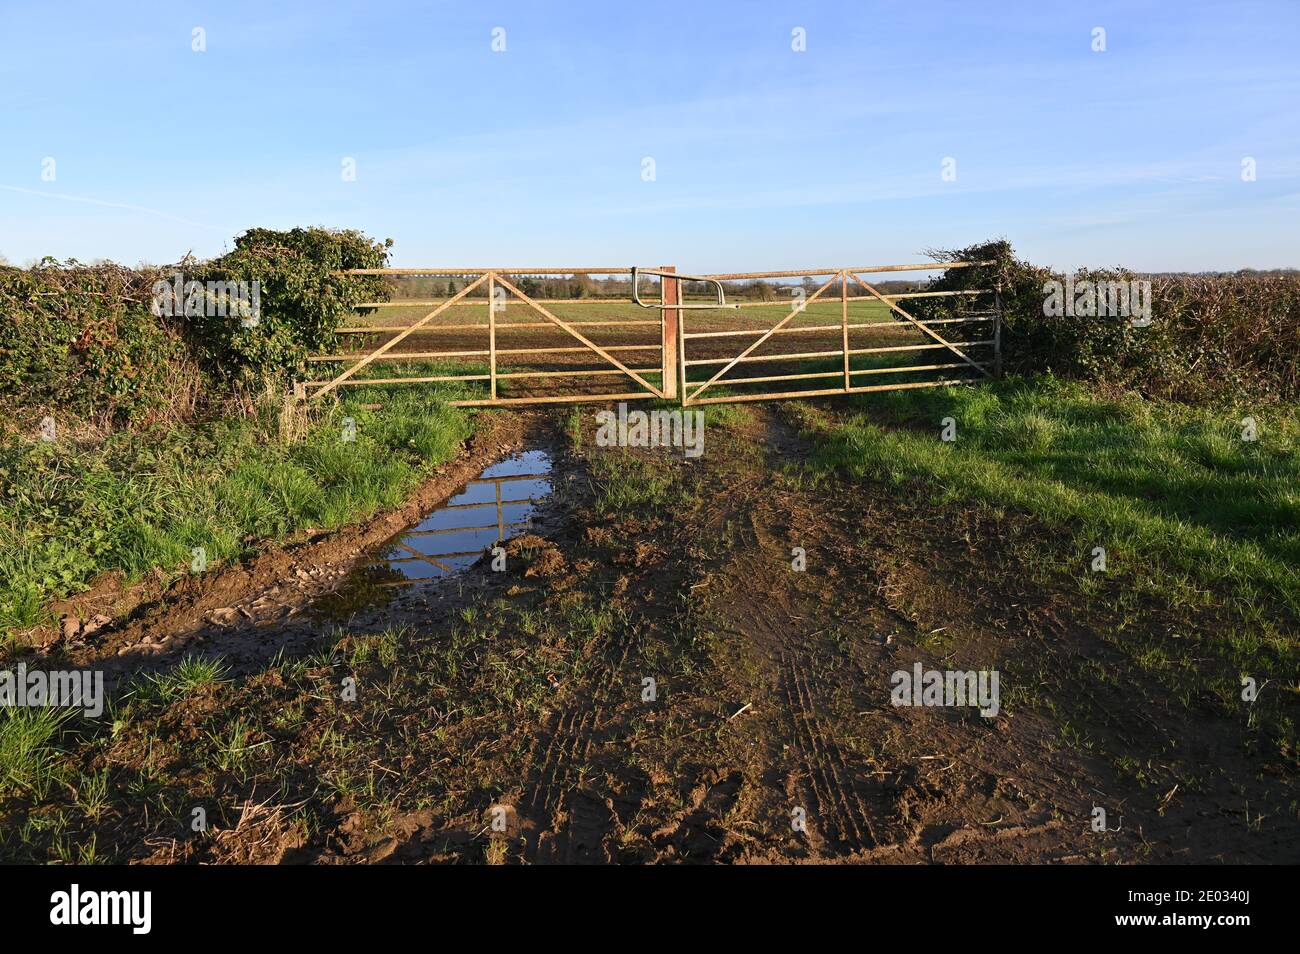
[1211,338]
[90,339]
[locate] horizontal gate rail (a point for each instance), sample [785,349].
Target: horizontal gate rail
[374,329]
[403,302]
[851,380]
[863,270]
[836,354]
[881,325]
[611,343]
[823,392]
[434,379]
[416,355]
[555,399]
[899,297]
[485,281]
[840,374]
[483,270]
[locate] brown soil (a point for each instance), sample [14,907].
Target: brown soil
[521,698]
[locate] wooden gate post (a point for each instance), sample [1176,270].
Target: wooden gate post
[844,327]
[669,317]
[492,335]
[997,329]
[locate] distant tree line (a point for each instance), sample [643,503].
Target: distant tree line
[576,287]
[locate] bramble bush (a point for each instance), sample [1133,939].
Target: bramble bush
[147,460]
[81,338]
[1212,338]
[84,339]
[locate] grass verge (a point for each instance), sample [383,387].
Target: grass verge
[136,501]
[1171,490]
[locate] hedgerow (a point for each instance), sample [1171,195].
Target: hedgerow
[1211,338]
[90,341]
[81,339]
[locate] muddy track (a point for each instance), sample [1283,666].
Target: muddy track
[565,824]
[918,784]
[248,610]
[836,795]
[777,622]
[846,807]
[774,688]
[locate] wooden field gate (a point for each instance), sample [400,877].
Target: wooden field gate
[707,324]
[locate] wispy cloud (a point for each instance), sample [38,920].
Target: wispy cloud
[88,200]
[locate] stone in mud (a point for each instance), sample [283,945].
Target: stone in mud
[224,616]
[95,623]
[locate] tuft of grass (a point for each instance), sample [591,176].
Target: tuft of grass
[624,481]
[190,675]
[91,793]
[726,415]
[29,756]
[230,750]
[382,647]
[496,851]
[573,422]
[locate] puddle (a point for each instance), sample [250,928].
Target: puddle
[500,503]
[495,506]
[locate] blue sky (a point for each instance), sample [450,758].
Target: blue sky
[763,157]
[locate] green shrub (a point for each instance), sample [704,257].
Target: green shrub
[115,345]
[303,301]
[82,339]
[1212,337]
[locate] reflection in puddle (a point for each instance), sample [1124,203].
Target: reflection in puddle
[494,507]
